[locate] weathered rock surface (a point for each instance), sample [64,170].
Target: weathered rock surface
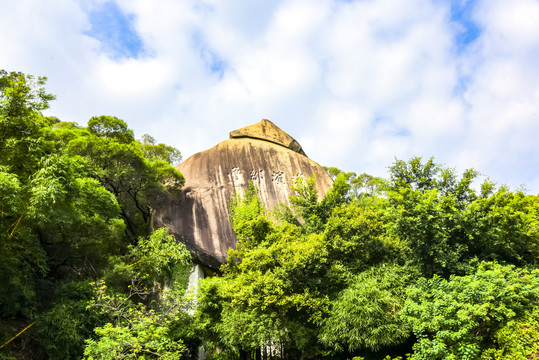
[268,131]
[263,154]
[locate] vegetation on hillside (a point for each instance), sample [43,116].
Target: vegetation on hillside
[425,264]
[79,252]
[420,264]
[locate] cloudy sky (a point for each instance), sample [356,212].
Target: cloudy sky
[356,82]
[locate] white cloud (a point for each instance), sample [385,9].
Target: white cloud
[357,83]
[503,92]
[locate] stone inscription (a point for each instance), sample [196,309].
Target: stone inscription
[236,174]
[257,174]
[278,177]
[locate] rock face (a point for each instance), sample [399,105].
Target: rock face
[268,131]
[261,153]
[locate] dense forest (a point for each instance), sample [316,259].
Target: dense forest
[424,264]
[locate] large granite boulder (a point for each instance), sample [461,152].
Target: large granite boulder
[261,153]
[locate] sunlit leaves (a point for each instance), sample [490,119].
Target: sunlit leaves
[111,127]
[449,228]
[119,163]
[279,284]
[10,194]
[147,304]
[465,315]
[145,337]
[153,151]
[22,94]
[367,313]
[160,254]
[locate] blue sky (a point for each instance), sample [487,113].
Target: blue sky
[115,30]
[356,82]
[462,14]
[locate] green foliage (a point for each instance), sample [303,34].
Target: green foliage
[271,294]
[21,256]
[57,221]
[66,326]
[449,228]
[248,220]
[22,261]
[111,127]
[23,130]
[146,336]
[72,200]
[516,339]
[305,204]
[306,210]
[267,294]
[331,277]
[366,313]
[118,162]
[209,308]
[160,255]
[278,286]
[504,227]
[163,152]
[148,309]
[357,234]
[465,316]
[22,94]
[336,277]
[363,185]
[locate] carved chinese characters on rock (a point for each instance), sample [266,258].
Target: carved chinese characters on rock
[278,177]
[257,174]
[236,174]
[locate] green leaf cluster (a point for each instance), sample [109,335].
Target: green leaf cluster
[487,314]
[146,303]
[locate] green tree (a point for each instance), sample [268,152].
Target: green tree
[147,305]
[359,236]
[267,296]
[159,151]
[365,185]
[360,185]
[64,328]
[306,211]
[449,227]
[54,217]
[63,216]
[110,127]
[476,316]
[281,281]
[118,162]
[23,128]
[331,277]
[366,314]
